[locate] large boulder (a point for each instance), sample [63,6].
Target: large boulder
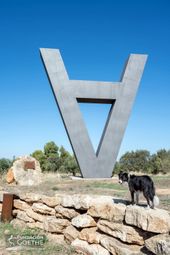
[66,212]
[83,221]
[42,208]
[159,244]
[29,197]
[84,202]
[35,216]
[70,233]
[116,247]
[53,225]
[111,212]
[21,215]
[90,235]
[125,233]
[25,171]
[51,201]
[21,205]
[156,221]
[37,197]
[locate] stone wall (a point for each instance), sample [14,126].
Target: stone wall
[96,224]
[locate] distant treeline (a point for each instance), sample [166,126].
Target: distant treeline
[56,159]
[145,162]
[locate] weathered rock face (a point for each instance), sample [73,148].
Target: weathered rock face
[83,221]
[93,249]
[36,216]
[10,176]
[71,233]
[18,223]
[118,248]
[51,201]
[33,197]
[56,238]
[25,171]
[123,232]
[42,208]
[65,212]
[36,224]
[84,201]
[53,225]
[159,244]
[114,212]
[23,216]
[18,204]
[30,197]
[157,220]
[90,235]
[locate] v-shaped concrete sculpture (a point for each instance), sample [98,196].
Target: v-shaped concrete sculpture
[120,94]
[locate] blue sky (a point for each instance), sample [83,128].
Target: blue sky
[95,38]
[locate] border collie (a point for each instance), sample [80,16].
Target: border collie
[139,184]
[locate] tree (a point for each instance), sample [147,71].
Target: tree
[134,161]
[71,166]
[51,150]
[155,164]
[164,157]
[162,154]
[63,153]
[143,161]
[52,164]
[117,168]
[40,156]
[5,164]
[166,165]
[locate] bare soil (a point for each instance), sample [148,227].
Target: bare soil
[52,185]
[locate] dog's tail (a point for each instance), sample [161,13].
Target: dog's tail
[156,201]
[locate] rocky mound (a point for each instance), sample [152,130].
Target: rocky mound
[25,171]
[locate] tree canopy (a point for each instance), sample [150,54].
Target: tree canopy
[143,161]
[5,164]
[54,159]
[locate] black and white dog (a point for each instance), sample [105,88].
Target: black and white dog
[139,184]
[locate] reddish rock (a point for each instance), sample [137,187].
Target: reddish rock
[10,176]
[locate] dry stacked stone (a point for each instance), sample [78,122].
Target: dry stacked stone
[95,224]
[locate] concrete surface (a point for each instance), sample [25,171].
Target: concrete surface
[69,92]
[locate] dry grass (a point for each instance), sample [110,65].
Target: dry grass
[46,249]
[52,184]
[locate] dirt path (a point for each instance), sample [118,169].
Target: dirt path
[163,191]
